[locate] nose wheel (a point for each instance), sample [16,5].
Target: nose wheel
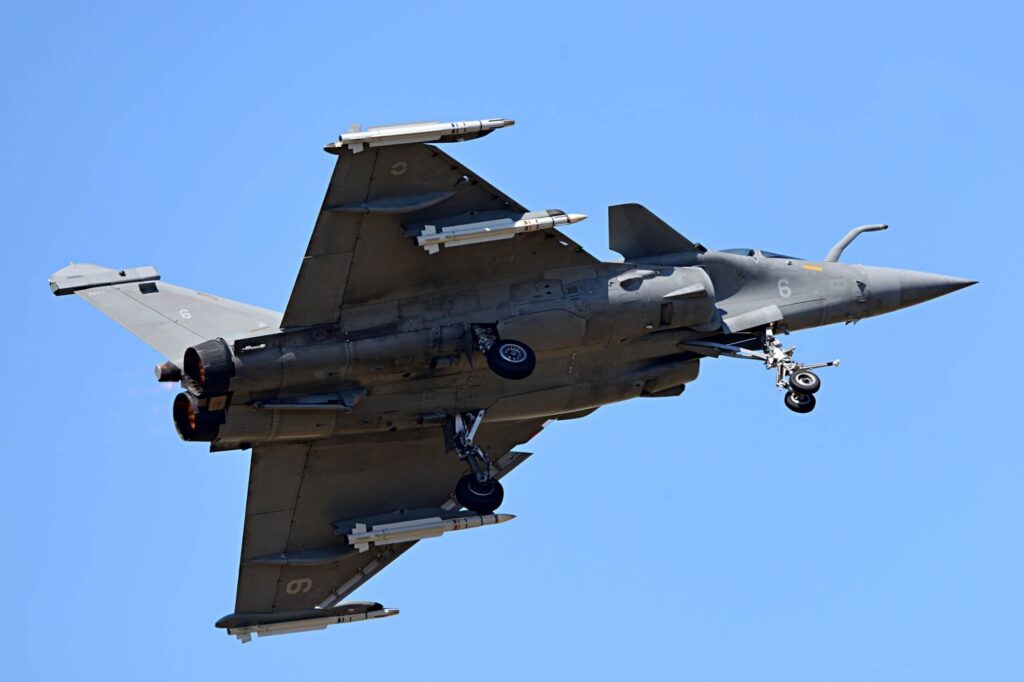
[796,378]
[804,381]
[801,403]
[803,384]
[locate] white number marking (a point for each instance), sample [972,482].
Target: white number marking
[784,290]
[185,314]
[298,586]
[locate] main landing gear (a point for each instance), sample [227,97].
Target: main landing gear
[478,490]
[797,379]
[507,358]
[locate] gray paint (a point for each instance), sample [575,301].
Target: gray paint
[347,399]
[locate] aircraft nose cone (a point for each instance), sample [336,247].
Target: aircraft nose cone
[891,289]
[918,287]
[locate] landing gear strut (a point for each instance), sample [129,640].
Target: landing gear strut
[796,378]
[478,490]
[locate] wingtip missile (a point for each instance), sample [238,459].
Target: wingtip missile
[245,625]
[356,139]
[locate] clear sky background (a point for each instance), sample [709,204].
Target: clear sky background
[715,536]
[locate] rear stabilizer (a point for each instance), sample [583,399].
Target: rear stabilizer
[167,317]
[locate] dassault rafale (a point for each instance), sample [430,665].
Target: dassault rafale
[435,325]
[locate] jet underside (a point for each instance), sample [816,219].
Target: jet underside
[435,325]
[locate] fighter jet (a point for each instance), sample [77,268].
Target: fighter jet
[436,324]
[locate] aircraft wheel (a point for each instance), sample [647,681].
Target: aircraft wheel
[483,498]
[511,359]
[804,381]
[801,403]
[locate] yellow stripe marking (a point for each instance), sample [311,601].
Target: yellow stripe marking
[816,268]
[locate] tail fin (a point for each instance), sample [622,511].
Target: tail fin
[637,233]
[168,318]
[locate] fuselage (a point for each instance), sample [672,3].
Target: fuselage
[601,333]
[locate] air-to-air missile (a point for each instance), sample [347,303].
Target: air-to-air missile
[357,535]
[356,139]
[245,625]
[432,236]
[362,535]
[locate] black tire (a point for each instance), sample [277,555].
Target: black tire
[804,381]
[801,403]
[511,359]
[483,498]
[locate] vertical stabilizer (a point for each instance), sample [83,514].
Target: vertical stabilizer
[168,318]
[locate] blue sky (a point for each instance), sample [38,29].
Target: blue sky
[712,536]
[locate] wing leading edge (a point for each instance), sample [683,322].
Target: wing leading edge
[363,247]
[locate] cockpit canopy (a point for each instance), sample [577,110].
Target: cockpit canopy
[753,253]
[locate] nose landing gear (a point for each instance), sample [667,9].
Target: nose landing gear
[796,378]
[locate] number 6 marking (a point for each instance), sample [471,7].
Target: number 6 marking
[784,290]
[298,586]
[185,314]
